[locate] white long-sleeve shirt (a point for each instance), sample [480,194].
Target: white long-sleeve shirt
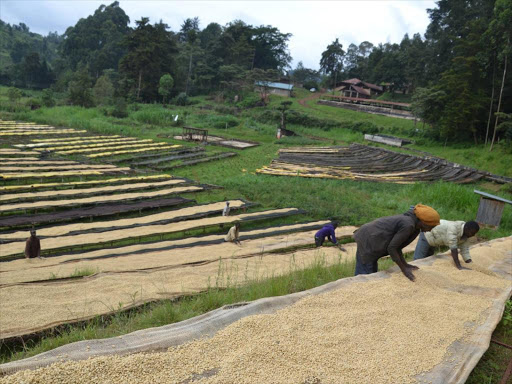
[232,234]
[449,233]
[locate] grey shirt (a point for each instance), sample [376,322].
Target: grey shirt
[380,237]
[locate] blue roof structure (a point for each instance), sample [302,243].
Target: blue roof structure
[287,87]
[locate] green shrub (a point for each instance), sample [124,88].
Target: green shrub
[33,103]
[250,101]
[120,110]
[298,118]
[365,127]
[47,98]
[225,110]
[181,99]
[221,122]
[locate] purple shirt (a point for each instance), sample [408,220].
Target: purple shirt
[327,230]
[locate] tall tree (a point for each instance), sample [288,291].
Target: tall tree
[500,32]
[151,52]
[270,48]
[97,40]
[188,26]
[331,62]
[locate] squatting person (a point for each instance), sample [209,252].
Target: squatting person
[453,234]
[389,235]
[234,234]
[33,246]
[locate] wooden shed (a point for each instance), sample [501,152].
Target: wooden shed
[490,209]
[268,87]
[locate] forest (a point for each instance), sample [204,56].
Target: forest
[456,72]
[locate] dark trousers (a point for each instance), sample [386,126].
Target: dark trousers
[365,268]
[319,241]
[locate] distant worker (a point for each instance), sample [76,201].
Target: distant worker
[33,246]
[453,234]
[328,232]
[234,234]
[225,211]
[389,235]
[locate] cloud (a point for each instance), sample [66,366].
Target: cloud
[313,24]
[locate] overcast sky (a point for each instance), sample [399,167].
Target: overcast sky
[314,24]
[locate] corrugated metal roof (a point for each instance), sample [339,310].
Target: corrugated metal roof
[352,81]
[270,84]
[361,90]
[489,196]
[372,86]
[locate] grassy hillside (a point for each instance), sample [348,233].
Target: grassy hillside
[352,202]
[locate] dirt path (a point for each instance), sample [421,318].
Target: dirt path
[304,101]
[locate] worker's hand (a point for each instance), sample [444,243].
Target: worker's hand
[342,249]
[413,267]
[468,261]
[461,268]
[408,273]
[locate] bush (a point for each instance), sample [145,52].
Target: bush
[365,127]
[120,109]
[33,104]
[298,118]
[221,122]
[181,99]
[250,101]
[79,89]
[311,84]
[14,94]
[47,98]
[103,91]
[225,110]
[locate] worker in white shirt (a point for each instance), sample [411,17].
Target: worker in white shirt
[234,234]
[453,234]
[225,211]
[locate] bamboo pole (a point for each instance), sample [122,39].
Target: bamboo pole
[499,100]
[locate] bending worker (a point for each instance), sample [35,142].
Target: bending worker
[33,246]
[327,231]
[453,234]
[389,235]
[234,234]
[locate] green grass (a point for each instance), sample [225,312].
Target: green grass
[493,364]
[82,272]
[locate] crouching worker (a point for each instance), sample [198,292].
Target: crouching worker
[389,235]
[33,246]
[234,234]
[453,234]
[327,232]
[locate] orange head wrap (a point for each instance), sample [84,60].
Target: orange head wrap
[427,214]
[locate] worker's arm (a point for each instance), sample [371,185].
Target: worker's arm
[455,257]
[414,267]
[332,236]
[395,250]
[452,243]
[464,251]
